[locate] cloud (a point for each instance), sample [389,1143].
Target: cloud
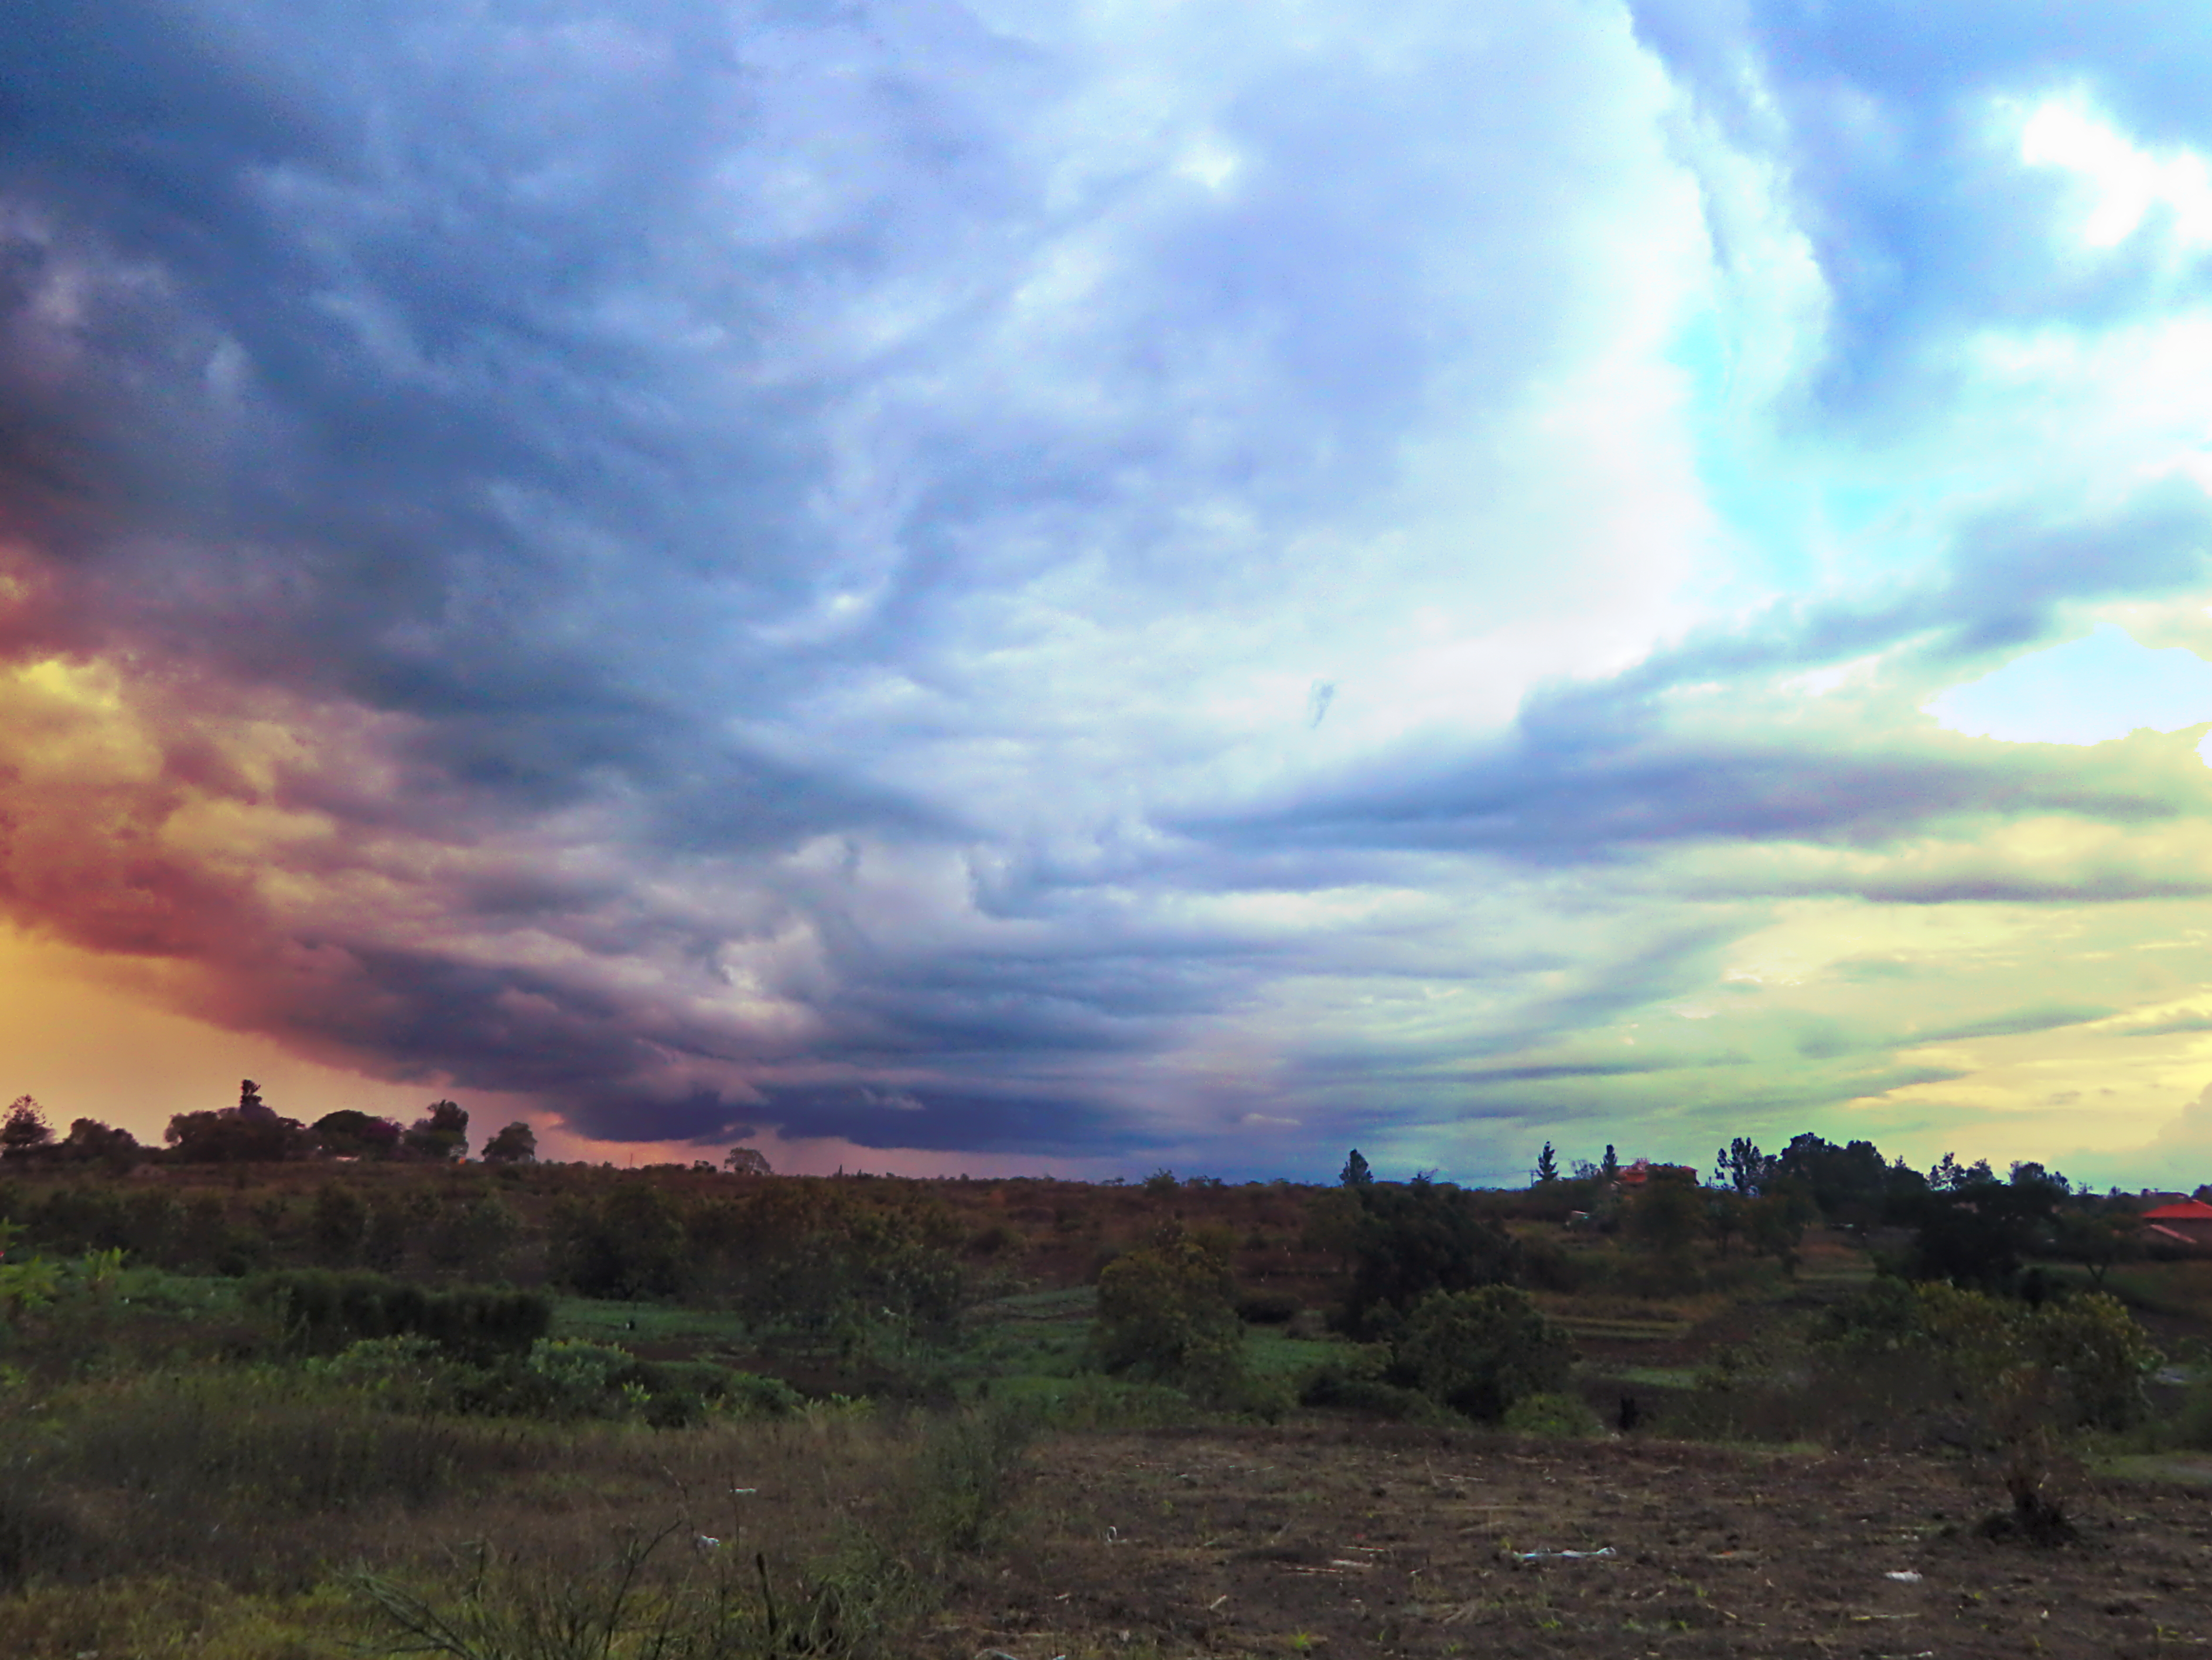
[1086,582]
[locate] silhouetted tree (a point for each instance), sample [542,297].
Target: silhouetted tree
[25,1131]
[1355,1173]
[90,1142]
[746,1161]
[352,1134]
[1974,1234]
[1547,1166]
[1741,1166]
[236,1135]
[515,1145]
[442,1133]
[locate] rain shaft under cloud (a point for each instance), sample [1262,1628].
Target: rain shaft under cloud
[1093,582]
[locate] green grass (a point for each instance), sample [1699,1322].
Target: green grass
[630,1324]
[2194,1468]
[1272,1354]
[1656,1377]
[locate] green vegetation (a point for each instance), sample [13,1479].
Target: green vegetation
[296,1406]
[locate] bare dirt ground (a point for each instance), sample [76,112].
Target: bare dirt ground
[1388,1541]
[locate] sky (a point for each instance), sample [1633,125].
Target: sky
[1086,586]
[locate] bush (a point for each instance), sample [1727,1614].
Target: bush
[1168,1313]
[1480,1352]
[1564,1415]
[323,1312]
[1354,1388]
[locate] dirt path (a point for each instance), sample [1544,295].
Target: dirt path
[1373,1541]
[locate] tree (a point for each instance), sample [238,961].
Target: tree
[2098,1241]
[1741,1167]
[250,1104]
[515,1145]
[1410,1240]
[233,1136]
[1667,1216]
[746,1161]
[1610,1169]
[90,1142]
[442,1133]
[1547,1166]
[629,1247]
[351,1135]
[25,1131]
[1975,1233]
[1355,1173]
[1723,1216]
[1774,1223]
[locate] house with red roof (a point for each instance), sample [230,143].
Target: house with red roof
[2189,1223]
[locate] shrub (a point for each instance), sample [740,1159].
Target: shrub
[1479,1351]
[1352,1388]
[322,1312]
[1562,1414]
[1168,1313]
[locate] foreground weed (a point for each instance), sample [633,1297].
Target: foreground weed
[505,1611]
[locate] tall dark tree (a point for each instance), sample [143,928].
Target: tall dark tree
[515,1145]
[91,1142]
[234,1136]
[1547,1166]
[1355,1173]
[1741,1166]
[353,1134]
[25,1131]
[1422,1237]
[442,1132]
[1975,1234]
[1609,1170]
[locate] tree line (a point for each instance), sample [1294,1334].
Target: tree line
[253,1132]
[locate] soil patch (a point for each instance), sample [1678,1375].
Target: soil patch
[1387,1540]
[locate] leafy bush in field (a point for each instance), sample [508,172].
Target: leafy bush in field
[581,1378]
[1352,1386]
[819,1260]
[1480,1352]
[2093,1356]
[322,1311]
[560,1380]
[1168,1313]
[1565,1416]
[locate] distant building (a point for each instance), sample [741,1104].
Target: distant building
[1635,1175]
[2187,1223]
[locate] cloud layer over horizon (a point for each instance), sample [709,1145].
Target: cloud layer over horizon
[1129,584]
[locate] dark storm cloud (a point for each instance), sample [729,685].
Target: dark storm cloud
[729,566]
